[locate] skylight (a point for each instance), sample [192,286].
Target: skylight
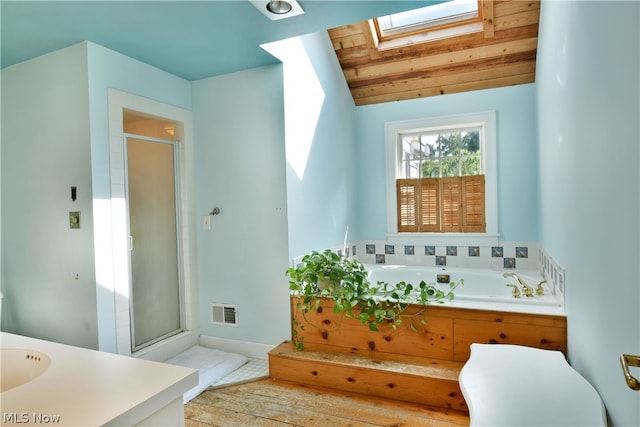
[440,15]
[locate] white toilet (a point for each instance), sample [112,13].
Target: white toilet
[511,385]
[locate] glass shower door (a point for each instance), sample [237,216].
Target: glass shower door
[155,304]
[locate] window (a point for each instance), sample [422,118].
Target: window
[426,18]
[443,20]
[441,152]
[440,185]
[441,175]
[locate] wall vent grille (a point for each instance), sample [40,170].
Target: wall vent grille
[224,314]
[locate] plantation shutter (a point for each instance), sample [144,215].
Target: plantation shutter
[429,205]
[407,194]
[473,204]
[452,204]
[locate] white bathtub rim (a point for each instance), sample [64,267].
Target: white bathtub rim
[546,304]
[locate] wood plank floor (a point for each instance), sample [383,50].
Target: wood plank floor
[270,402]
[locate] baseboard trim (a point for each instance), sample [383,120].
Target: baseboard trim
[249,349]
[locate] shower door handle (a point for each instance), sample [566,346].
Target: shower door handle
[130,243]
[627,360]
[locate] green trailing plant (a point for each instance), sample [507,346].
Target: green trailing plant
[323,276]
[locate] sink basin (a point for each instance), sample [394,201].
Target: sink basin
[19,366]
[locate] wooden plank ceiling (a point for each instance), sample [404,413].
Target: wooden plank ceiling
[502,54]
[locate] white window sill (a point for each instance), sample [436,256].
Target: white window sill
[442,239]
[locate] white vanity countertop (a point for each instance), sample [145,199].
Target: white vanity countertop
[91,388]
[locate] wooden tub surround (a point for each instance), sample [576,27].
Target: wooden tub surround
[420,367]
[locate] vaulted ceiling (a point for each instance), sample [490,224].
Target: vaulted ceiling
[502,53]
[200,39]
[192,39]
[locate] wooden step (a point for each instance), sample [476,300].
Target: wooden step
[421,380]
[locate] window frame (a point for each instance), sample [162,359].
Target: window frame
[426,26]
[486,120]
[401,38]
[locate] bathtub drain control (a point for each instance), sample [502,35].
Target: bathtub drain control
[443,278]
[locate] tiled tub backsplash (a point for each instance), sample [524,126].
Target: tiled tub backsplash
[552,271]
[505,255]
[522,256]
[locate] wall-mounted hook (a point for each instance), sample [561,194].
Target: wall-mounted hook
[215,211]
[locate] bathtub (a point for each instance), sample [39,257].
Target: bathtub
[483,289]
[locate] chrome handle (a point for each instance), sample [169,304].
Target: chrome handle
[627,360]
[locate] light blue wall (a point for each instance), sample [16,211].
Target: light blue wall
[45,150]
[322,200]
[516,155]
[589,97]
[239,140]
[240,168]
[272,210]
[109,69]
[56,136]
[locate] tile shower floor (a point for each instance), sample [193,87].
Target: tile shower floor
[252,370]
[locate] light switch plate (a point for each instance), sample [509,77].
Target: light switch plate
[74,219]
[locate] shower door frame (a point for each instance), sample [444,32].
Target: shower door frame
[111,239]
[178,234]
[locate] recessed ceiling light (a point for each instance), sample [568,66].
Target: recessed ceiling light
[275,9]
[279,7]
